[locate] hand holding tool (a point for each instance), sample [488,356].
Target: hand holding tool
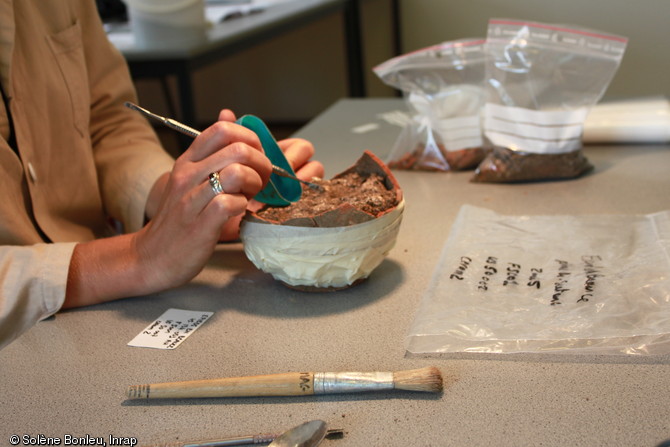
[186,130]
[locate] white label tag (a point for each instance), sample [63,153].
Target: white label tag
[536,131]
[170,329]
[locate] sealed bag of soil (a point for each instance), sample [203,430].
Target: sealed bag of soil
[542,81]
[444,89]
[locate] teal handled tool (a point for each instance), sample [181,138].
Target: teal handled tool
[283,188]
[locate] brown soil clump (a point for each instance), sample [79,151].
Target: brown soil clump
[507,166]
[421,160]
[361,193]
[365,194]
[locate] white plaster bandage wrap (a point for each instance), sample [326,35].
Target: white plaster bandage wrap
[321,257]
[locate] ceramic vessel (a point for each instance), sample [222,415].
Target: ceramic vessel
[330,251]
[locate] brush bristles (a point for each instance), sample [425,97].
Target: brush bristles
[427,380]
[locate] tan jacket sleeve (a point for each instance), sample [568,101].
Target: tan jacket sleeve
[128,155]
[32,284]
[92,85]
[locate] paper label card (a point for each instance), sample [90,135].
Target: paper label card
[170,329]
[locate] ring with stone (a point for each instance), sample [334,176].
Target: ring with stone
[215,183]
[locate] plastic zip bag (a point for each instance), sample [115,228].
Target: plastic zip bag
[542,80]
[444,89]
[570,284]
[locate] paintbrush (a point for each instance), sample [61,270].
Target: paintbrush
[426,379]
[191,132]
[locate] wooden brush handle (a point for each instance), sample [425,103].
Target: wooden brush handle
[287,384]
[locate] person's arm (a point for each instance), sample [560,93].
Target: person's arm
[32,285]
[128,155]
[182,234]
[186,218]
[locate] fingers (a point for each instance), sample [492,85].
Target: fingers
[210,210]
[240,179]
[310,170]
[197,201]
[234,179]
[227,115]
[190,215]
[242,169]
[228,205]
[232,150]
[223,214]
[220,135]
[298,152]
[236,154]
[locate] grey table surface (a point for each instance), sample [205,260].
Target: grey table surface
[68,375]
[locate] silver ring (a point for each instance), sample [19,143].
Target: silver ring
[215,183]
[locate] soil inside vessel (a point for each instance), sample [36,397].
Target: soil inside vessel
[368,195]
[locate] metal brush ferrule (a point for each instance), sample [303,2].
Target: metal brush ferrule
[352,382]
